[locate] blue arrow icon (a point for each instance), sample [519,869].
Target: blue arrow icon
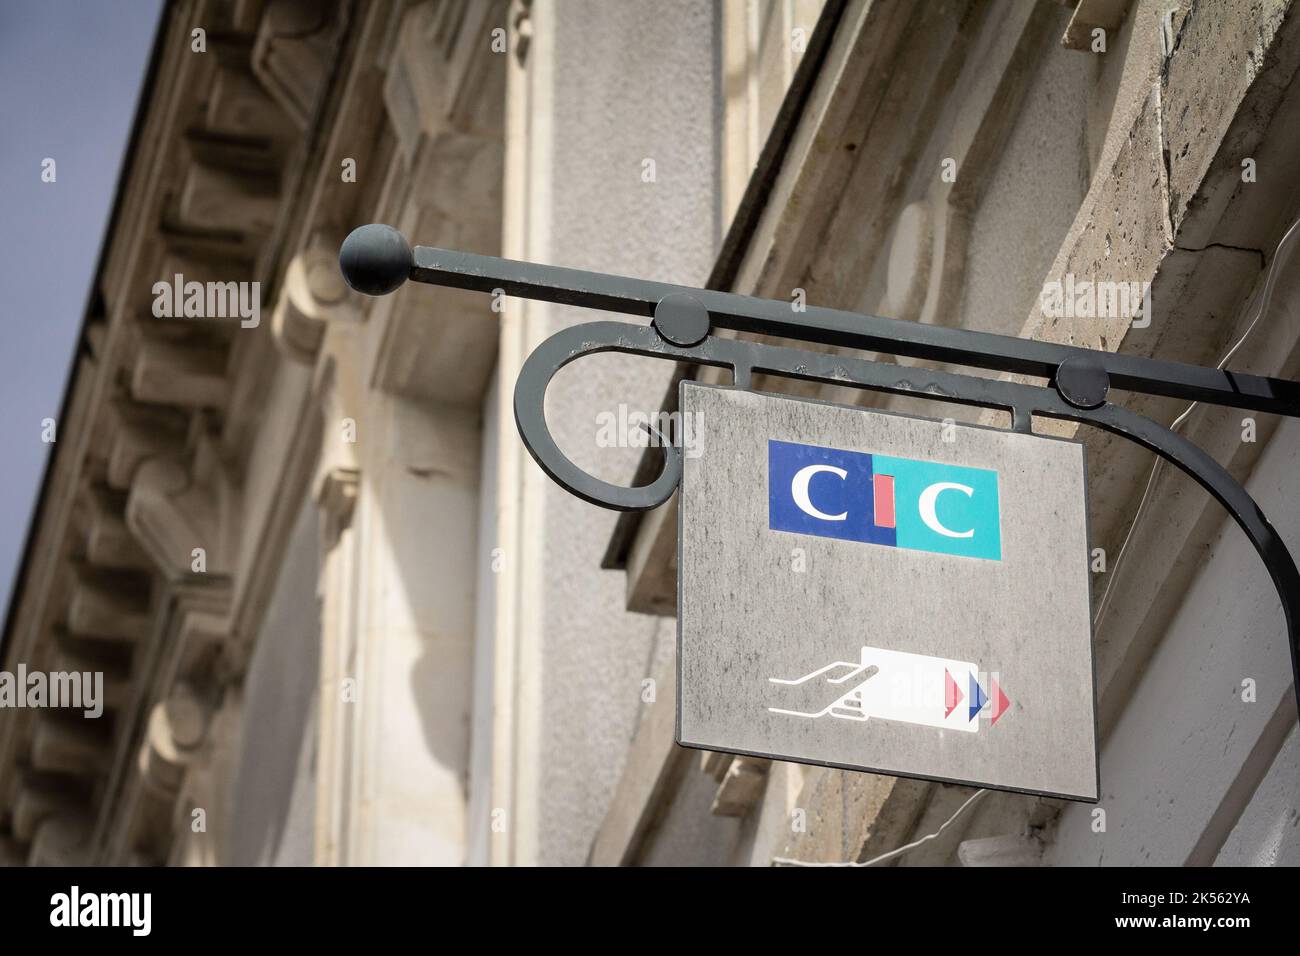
[977,697]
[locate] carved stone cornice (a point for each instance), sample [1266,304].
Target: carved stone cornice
[174,734]
[136,482]
[336,496]
[108,607]
[172,516]
[313,294]
[291,57]
[190,435]
[61,840]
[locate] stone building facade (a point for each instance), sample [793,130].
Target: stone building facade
[342,616]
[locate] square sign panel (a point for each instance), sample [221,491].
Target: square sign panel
[876,592]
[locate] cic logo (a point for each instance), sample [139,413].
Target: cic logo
[897,502]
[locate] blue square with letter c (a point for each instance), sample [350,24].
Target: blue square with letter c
[822,491]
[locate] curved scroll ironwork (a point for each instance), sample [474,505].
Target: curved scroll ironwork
[747,358]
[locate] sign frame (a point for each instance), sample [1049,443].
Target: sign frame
[1093,700]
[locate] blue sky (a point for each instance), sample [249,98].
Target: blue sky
[70,74]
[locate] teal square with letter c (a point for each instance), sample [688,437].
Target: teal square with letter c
[947,509]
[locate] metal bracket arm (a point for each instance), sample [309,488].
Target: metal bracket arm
[727,310]
[376,260]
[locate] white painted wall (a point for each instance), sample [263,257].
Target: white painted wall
[613,85]
[1268,833]
[417,517]
[1186,736]
[272,797]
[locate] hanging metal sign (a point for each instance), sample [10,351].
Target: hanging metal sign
[877,592]
[1013,633]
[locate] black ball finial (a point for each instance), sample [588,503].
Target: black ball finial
[375,259]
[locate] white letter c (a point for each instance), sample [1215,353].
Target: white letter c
[930,497]
[799,491]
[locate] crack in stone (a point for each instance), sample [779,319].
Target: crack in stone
[1263,259]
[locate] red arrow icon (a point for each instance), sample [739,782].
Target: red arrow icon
[1000,702]
[952,694]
